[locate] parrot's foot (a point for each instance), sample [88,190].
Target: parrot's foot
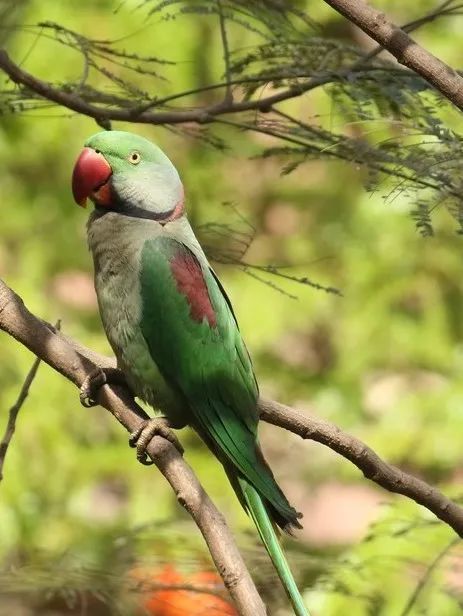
[157,426]
[95,380]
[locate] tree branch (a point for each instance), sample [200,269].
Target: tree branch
[74,362]
[201,115]
[55,349]
[407,51]
[445,9]
[372,466]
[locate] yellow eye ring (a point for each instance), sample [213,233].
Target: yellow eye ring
[134,158]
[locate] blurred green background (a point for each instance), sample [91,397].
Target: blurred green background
[384,361]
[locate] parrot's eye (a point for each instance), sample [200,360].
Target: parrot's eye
[134,158]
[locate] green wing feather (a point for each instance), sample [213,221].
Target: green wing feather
[209,366]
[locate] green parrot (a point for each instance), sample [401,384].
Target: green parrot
[172,326]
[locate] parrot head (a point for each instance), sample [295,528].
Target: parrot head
[124,172]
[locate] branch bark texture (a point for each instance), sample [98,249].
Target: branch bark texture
[406,50]
[372,466]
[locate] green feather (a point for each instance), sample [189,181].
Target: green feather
[266,528]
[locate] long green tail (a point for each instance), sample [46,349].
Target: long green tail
[266,528]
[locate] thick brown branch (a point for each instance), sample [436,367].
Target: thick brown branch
[443,10]
[55,349]
[68,356]
[407,51]
[368,461]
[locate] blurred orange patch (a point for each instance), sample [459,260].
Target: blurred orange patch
[200,596]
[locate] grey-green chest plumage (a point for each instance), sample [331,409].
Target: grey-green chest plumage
[116,243]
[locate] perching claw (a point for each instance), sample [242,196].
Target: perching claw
[96,379]
[148,428]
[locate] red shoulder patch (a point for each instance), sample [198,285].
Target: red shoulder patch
[190,282]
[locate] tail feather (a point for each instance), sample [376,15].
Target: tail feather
[257,509]
[279,509]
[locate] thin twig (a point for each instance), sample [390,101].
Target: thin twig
[314,80]
[335,154]
[226,54]
[14,410]
[427,575]
[13,413]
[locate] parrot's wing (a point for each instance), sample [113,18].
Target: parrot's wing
[194,339]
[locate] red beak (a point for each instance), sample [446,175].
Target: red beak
[91,172]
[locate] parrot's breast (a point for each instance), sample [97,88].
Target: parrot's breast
[116,244]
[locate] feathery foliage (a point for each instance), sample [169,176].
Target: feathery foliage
[393,123]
